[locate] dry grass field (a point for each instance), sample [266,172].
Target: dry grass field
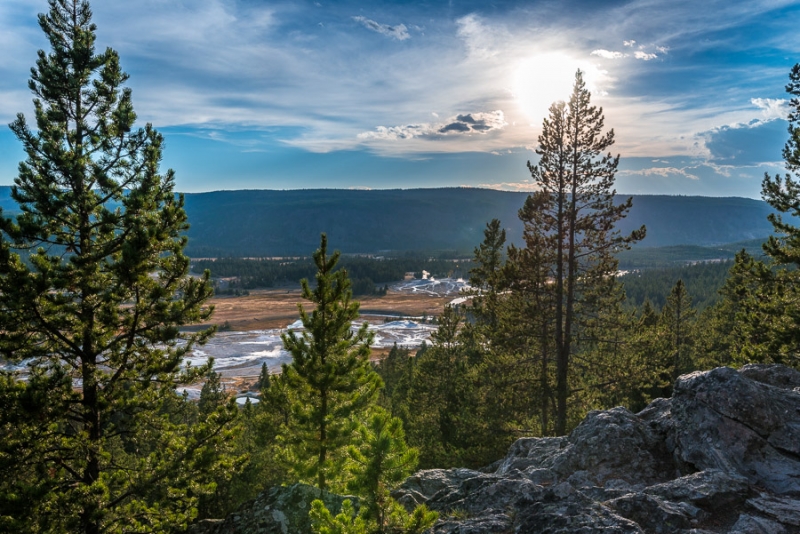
[277,308]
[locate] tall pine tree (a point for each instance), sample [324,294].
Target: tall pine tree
[575,213]
[93,290]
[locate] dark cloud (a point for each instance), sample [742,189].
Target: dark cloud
[474,122]
[455,127]
[749,144]
[399,32]
[480,122]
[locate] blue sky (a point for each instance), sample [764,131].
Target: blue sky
[353,94]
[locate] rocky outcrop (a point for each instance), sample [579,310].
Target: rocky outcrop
[722,455]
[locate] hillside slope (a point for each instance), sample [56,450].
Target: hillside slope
[264,222]
[274,223]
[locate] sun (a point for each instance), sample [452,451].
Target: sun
[545,78]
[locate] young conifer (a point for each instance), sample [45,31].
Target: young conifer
[331,380]
[763,294]
[379,463]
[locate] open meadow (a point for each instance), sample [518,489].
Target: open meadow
[277,308]
[250,326]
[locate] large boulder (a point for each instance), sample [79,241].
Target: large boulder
[727,420]
[721,456]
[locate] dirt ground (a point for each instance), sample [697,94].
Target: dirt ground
[277,308]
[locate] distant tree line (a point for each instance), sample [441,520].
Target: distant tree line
[703,281]
[368,275]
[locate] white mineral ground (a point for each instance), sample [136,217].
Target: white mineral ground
[239,356]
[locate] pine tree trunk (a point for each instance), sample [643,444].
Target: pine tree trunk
[545,403]
[323,442]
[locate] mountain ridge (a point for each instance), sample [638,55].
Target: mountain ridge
[267,222]
[273,223]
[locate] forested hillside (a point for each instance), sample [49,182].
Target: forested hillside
[277,223]
[274,223]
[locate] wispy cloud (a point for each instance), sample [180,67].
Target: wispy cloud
[664,172]
[608,54]
[301,69]
[399,32]
[641,53]
[481,38]
[510,186]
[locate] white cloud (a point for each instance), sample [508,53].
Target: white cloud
[395,133]
[230,66]
[479,38]
[464,124]
[399,32]
[644,56]
[772,108]
[608,54]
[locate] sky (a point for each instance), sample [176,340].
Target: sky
[253,94]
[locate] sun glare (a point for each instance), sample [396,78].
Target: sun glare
[545,78]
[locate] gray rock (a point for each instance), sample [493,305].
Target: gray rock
[711,488]
[782,509]
[489,523]
[721,456]
[726,421]
[689,464]
[658,417]
[529,454]
[748,524]
[549,514]
[470,492]
[607,444]
[779,376]
[430,482]
[651,513]
[614,444]
[540,476]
